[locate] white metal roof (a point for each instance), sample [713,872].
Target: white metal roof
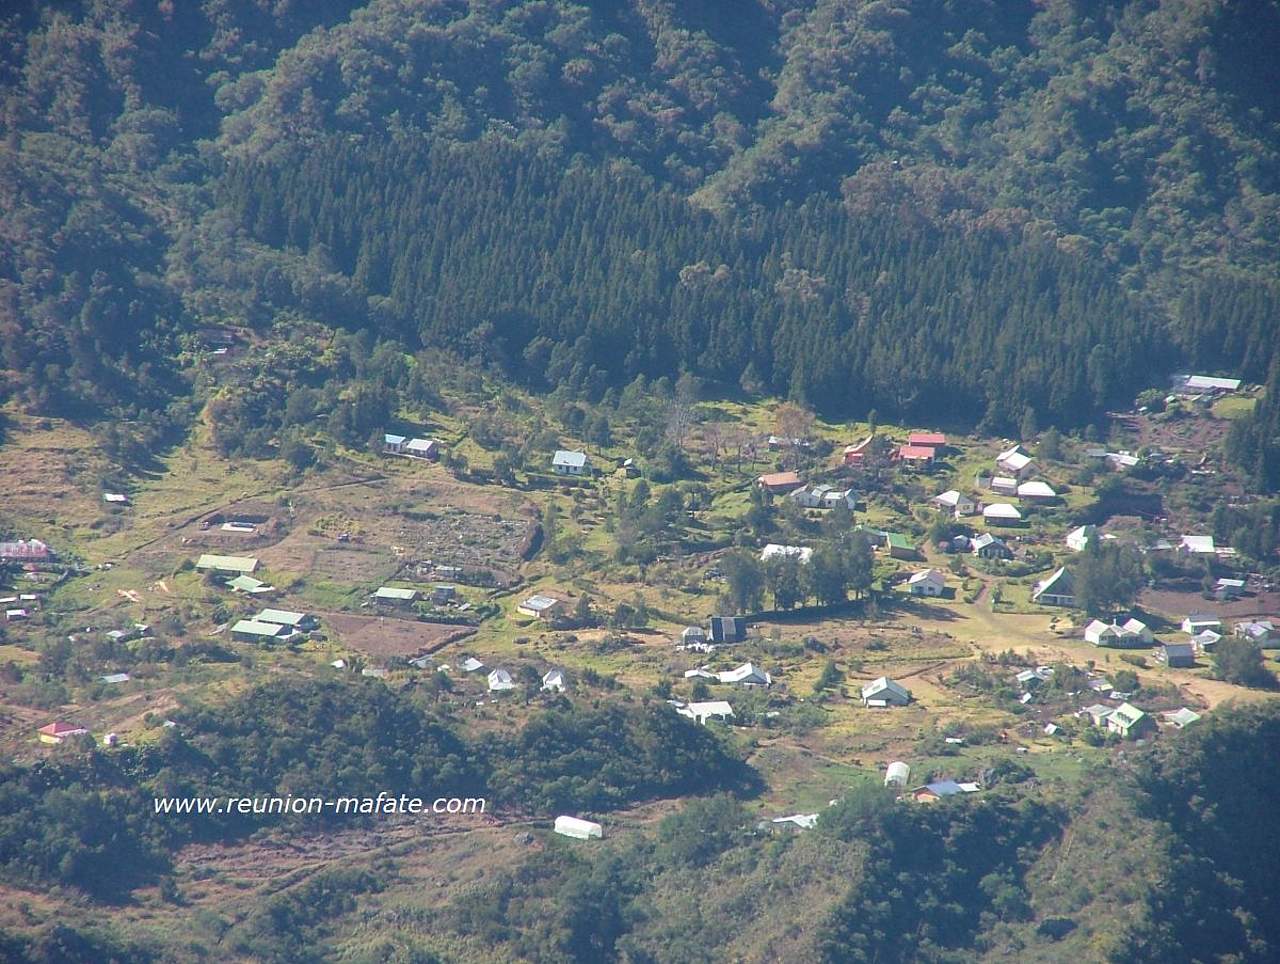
[1001,510]
[569,458]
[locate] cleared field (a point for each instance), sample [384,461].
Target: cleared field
[385,636]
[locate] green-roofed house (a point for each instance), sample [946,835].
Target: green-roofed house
[392,596]
[900,546]
[237,564]
[1130,722]
[283,617]
[250,586]
[254,631]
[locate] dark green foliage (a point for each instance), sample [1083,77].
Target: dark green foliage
[1254,442]
[600,758]
[1107,577]
[1239,661]
[1214,787]
[934,875]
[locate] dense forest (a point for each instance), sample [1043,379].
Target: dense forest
[866,205]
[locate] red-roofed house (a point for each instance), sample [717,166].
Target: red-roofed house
[935,440]
[779,482]
[853,454]
[917,453]
[58,731]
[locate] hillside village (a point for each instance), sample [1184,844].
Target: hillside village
[875,596]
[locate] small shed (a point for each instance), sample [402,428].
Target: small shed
[578,829]
[897,775]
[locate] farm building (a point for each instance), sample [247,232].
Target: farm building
[393,444]
[1210,384]
[779,483]
[115,498]
[1056,590]
[801,554]
[1205,641]
[1098,714]
[1001,514]
[897,775]
[567,462]
[1182,717]
[885,692]
[1197,545]
[801,821]
[55,733]
[472,665]
[933,792]
[1078,538]
[1224,590]
[554,681]
[1129,722]
[854,454]
[987,546]
[541,607]
[112,679]
[578,829]
[900,546]
[916,454]
[1004,485]
[728,629]
[394,596]
[284,617]
[928,582]
[242,565]
[16,615]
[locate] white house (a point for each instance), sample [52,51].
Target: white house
[1196,623]
[1078,538]
[1001,514]
[1129,721]
[422,448]
[801,554]
[500,680]
[540,607]
[701,712]
[928,582]
[1036,490]
[692,634]
[987,546]
[1197,545]
[554,681]
[1182,717]
[393,596]
[578,828]
[805,821]
[885,692]
[1015,462]
[1004,485]
[748,674]
[897,775]
[1132,632]
[393,444]
[566,462]
[955,502]
[1056,590]
[472,665]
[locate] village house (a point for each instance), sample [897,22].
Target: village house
[987,546]
[933,792]
[823,497]
[1097,714]
[885,692]
[1078,538]
[1206,641]
[256,631]
[1130,722]
[16,615]
[1181,717]
[954,502]
[241,565]
[1036,491]
[566,462]
[1015,462]
[500,681]
[1177,655]
[1225,590]
[393,444]
[578,829]
[801,554]
[900,546]
[748,674]
[1001,514]
[897,775]
[932,440]
[1198,622]
[1256,631]
[553,681]
[249,586]
[25,550]
[1057,590]
[541,607]
[921,455]
[422,448]
[701,712]
[854,454]
[779,483]
[394,596]
[443,595]
[801,821]
[728,629]
[692,634]
[928,582]
[55,733]
[1133,632]
[472,665]
[1197,546]
[302,622]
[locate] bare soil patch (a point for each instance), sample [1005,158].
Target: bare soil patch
[386,636]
